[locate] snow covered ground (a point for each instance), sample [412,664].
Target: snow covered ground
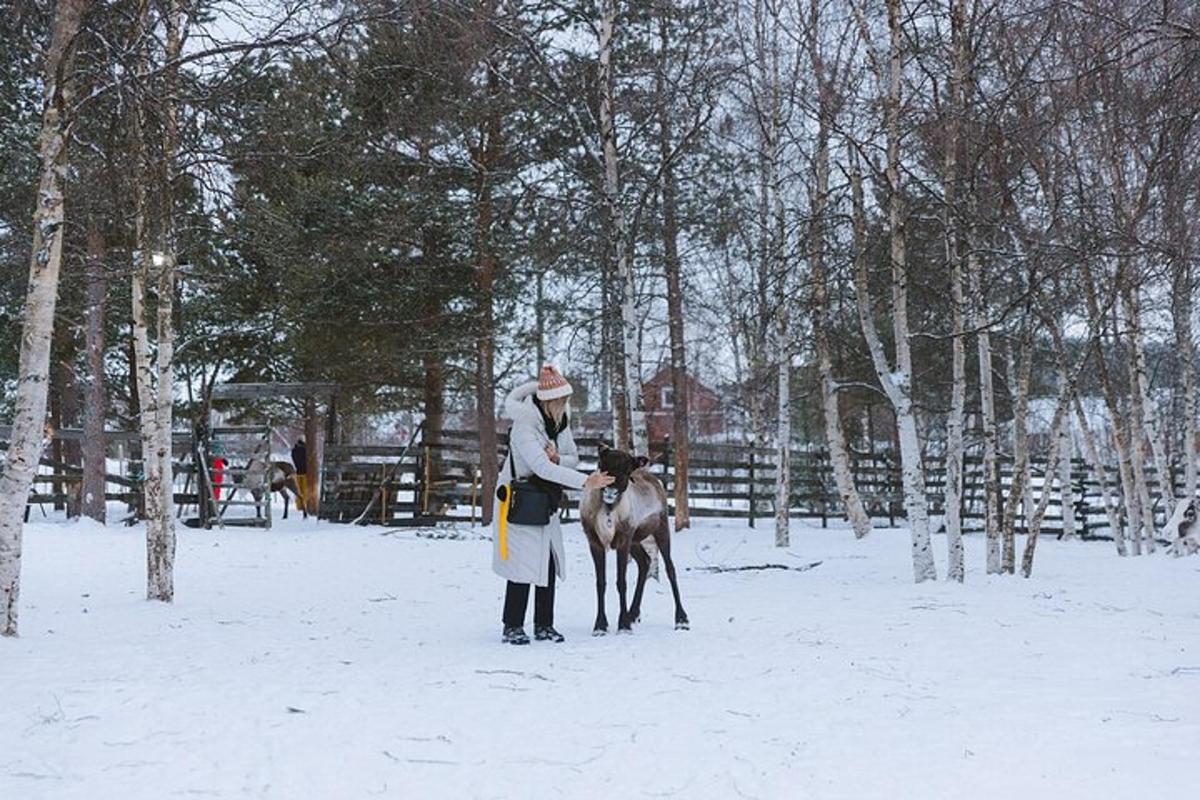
[317,661]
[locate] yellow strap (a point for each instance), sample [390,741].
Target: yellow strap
[504,523]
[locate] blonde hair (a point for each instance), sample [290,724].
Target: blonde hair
[556,408]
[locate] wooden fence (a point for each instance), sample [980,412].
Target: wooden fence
[59,484]
[431,482]
[426,482]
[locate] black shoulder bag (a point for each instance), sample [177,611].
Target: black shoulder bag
[530,504]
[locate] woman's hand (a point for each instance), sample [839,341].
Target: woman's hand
[552,453]
[598,480]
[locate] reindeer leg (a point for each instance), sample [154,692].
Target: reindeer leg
[662,537]
[601,626]
[623,622]
[643,564]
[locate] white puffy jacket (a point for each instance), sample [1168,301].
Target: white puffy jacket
[529,546]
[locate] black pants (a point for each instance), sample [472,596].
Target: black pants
[516,600]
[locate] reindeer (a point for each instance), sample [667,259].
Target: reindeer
[282,480]
[1182,529]
[628,516]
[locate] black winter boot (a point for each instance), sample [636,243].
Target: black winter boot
[515,636]
[546,633]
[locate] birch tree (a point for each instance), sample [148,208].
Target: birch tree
[1183,293]
[1059,445]
[619,237]
[157,267]
[772,222]
[1107,494]
[987,397]
[897,385]
[1020,492]
[1140,429]
[956,569]
[896,379]
[27,438]
[826,77]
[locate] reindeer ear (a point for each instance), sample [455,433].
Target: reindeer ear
[640,462]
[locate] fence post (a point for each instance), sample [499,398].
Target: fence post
[421,503]
[476,478]
[891,498]
[383,494]
[823,473]
[751,485]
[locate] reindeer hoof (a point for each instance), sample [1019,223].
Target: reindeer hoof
[600,632]
[683,626]
[624,631]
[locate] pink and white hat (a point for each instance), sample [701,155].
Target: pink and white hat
[552,385]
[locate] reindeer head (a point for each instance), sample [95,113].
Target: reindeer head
[620,465]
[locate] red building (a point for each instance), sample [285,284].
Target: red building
[706,413]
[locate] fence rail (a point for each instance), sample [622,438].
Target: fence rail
[440,481]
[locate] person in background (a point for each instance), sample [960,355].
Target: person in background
[542,450]
[219,464]
[300,462]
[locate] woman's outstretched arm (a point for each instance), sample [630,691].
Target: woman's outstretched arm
[526,444]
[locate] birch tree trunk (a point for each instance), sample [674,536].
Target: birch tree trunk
[673,268]
[1063,442]
[783,443]
[1137,420]
[1034,524]
[1120,430]
[1141,385]
[987,413]
[773,145]
[1107,495]
[144,371]
[33,371]
[619,234]
[895,385]
[160,550]
[1019,490]
[956,569]
[1183,295]
[1066,449]
[94,451]
[1022,443]
[912,470]
[835,436]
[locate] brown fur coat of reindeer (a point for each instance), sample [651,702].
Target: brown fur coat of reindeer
[282,480]
[623,517]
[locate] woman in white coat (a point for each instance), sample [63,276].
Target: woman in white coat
[542,451]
